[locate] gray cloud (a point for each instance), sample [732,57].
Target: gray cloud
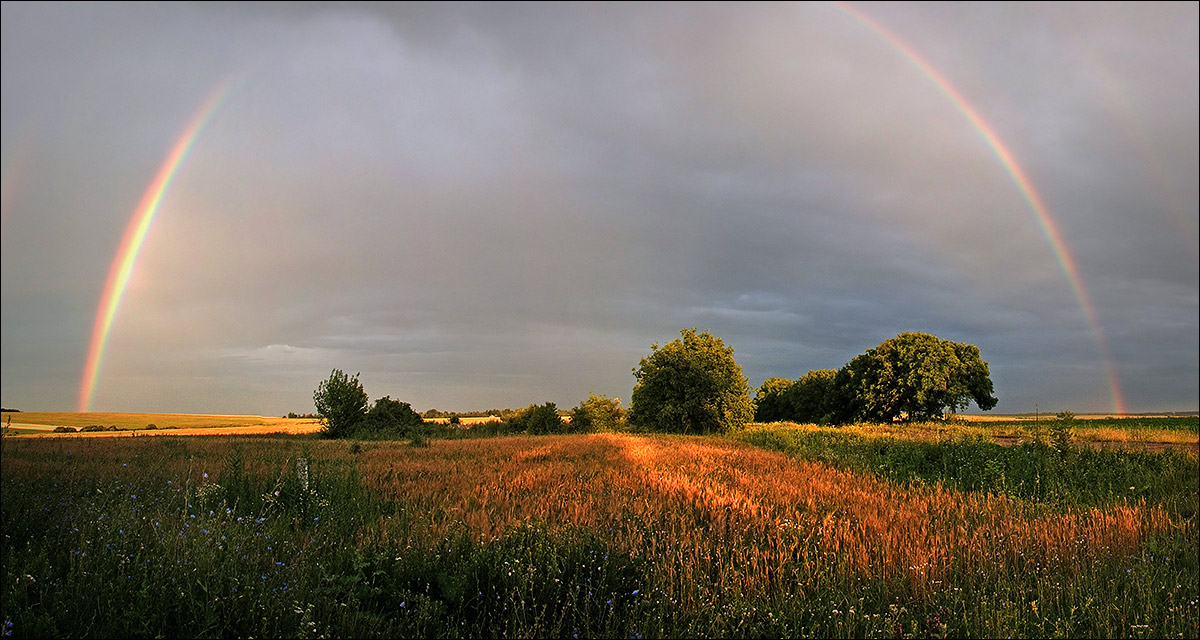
[491,205]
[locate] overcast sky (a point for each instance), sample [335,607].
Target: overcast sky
[480,206]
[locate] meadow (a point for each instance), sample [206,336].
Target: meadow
[780,531]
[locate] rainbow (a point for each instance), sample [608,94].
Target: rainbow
[1040,211]
[135,236]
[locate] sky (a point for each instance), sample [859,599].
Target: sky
[480,206]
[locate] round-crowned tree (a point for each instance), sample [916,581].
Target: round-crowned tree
[917,376]
[691,385]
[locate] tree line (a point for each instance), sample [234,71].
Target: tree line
[345,410]
[694,385]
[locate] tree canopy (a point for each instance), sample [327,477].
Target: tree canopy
[691,385]
[341,402]
[916,375]
[773,402]
[597,413]
[388,415]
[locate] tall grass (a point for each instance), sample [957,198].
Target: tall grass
[1034,471]
[555,536]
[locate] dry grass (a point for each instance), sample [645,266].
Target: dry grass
[758,517]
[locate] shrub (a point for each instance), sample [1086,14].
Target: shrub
[341,402]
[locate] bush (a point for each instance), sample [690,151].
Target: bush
[392,417]
[597,413]
[539,419]
[342,404]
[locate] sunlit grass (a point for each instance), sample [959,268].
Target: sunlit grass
[601,535]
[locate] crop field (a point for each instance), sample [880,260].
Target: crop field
[41,422]
[780,532]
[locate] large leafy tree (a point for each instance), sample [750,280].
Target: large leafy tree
[772,401]
[809,396]
[916,375]
[691,385]
[342,404]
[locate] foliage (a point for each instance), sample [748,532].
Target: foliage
[810,396]
[597,413]
[394,418]
[537,419]
[342,404]
[915,375]
[690,385]
[1033,471]
[772,401]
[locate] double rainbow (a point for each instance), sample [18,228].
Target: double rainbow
[135,236]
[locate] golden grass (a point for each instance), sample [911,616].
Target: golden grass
[711,513]
[755,515]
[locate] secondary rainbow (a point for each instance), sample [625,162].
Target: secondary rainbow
[1040,211]
[135,236]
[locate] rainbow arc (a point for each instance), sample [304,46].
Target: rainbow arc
[1020,178]
[135,236]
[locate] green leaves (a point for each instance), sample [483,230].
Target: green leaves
[690,385]
[916,375]
[341,402]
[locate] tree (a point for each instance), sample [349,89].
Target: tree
[772,402]
[691,385]
[341,402]
[389,415]
[597,413]
[916,375]
[809,396]
[537,419]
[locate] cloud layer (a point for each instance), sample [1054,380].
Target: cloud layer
[491,205]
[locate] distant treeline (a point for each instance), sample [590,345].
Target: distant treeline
[10,410]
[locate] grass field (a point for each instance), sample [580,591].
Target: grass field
[787,532]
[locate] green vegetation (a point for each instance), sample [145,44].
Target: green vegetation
[342,404]
[914,376]
[691,385]
[598,413]
[808,399]
[1036,471]
[302,537]
[537,419]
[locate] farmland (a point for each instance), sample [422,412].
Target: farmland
[40,422]
[781,531]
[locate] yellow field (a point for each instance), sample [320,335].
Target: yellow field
[465,420]
[39,423]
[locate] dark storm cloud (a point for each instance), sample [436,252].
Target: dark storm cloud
[491,205]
